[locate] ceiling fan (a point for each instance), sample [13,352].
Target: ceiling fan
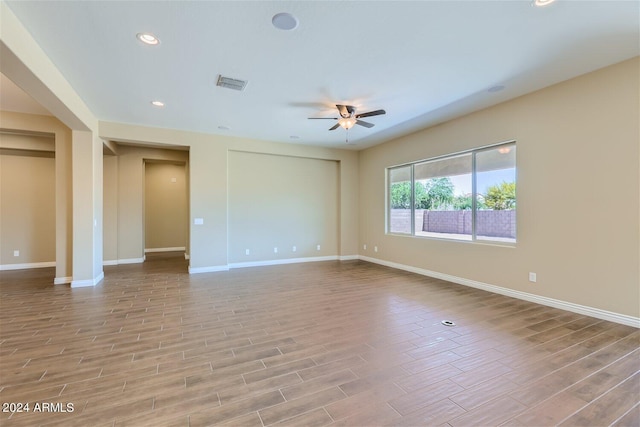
[348,117]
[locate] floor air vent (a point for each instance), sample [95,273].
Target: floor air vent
[230,83]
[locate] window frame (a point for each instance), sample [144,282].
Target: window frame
[388,200]
[474,196]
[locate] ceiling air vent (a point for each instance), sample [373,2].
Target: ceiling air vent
[229,83]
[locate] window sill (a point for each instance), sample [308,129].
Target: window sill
[463,239]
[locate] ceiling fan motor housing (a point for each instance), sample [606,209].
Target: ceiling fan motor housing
[346,111]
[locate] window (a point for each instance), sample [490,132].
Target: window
[400,200]
[468,196]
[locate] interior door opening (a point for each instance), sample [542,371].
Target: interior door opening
[165,209]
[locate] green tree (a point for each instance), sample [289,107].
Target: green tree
[435,193]
[401,195]
[462,203]
[465,203]
[501,196]
[438,194]
[420,195]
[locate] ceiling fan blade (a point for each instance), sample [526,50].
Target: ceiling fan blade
[365,124]
[334,127]
[322,118]
[371,113]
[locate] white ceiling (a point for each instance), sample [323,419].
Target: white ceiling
[422,61]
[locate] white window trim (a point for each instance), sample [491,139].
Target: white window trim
[412,234]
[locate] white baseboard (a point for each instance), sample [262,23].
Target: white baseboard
[62,280]
[348,257]
[27,265]
[123,261]
[211,269]
[87,282]
[282,261]
[551,302]
[131,261]
[176,249]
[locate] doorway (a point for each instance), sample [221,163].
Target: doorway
[165,208]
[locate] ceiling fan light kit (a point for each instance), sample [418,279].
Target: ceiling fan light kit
[348,117]
[346,123]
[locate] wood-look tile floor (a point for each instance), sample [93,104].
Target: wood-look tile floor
[330,343]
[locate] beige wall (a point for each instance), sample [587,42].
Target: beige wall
[110,204]
[27,200]
[26,141]
[165,205]
[47,125]
[281,202]
[578,193]
[124,196]
[209,169]
[87,208]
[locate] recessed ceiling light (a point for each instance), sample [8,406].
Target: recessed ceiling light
[148,38]
[223,127]
[284,21]
[496,88]
[542,3]
[157,103]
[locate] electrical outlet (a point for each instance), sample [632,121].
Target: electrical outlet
[16,253]
[364,247]
[318,248]
[246,251]
[532,277]
[375,249]
[294,249]
[275,250]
